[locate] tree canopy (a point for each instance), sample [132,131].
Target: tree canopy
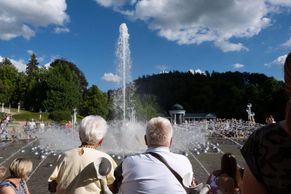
[63,87]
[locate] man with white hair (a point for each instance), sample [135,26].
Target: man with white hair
[75,171]
[144,173]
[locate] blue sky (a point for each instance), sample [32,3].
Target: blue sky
[224,35]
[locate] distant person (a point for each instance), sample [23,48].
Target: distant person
[16,182]
[144,173]
[270,119]
[267,152]
[228,179]
[75,172]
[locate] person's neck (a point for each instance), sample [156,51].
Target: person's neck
[93,146]
[15,181]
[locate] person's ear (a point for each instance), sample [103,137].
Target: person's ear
[100,142]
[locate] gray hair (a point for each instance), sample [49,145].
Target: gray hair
[159,132]
[92,129]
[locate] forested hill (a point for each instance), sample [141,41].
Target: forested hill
[226,94]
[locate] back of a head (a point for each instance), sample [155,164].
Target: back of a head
[159,132]
[20,168]
[92,129]
[229,166]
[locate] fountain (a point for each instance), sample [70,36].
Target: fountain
[122,100]
[126,135]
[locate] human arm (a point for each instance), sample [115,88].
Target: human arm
[7,190]
[52,186]
[118,179]
[52,181]
[251,185]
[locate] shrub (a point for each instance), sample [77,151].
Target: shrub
[60,116]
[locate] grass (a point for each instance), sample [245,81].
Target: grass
[27,116]
[23,115]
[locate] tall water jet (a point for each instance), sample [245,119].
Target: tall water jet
[125,135]
[123,97]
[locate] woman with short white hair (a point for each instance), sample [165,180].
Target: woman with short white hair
[75,172]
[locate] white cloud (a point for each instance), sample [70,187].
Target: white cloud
[237,66]
[110,77]
[59,30]
[280,60]
[223,22]
[30,52]
[197,71]
[19,64]
[114,3]
[287,43]
[22,17]
[280,2]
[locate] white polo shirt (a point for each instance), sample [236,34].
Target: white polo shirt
[145,174]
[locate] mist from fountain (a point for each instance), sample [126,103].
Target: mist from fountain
[125,135]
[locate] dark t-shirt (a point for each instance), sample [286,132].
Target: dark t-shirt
[267,153]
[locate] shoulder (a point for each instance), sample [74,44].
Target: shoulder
[105,155]
[216,173]
[68,154]
[133,157]
[6,187]
[6,190]
[269,130]
[179,157]
[265,134]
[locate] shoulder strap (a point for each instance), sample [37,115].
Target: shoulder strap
[159,157]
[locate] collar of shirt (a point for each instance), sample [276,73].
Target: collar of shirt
[158,149]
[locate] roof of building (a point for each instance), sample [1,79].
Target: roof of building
[177,107]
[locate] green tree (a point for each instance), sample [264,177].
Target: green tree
[35,90]
[95,102]
[20,89]
[63,89]
[146,107]
[8,74]
[32,65]
[75,69]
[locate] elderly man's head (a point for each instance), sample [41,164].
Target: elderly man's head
[159,132]
[92,129]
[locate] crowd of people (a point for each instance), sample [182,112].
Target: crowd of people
[158,170]
[4,134]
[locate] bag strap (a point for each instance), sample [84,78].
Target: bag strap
[159,157]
